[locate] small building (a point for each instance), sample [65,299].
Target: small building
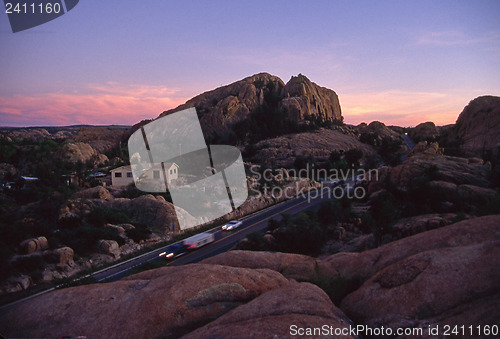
[27,182]
[122,176]
[69,179]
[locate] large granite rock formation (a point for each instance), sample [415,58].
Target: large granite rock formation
[417,290]
[379,129]
[156,212]
[221,108]
[272,315]
[478,125]
[102,139]
[301,97]
[444,276]
[293,266]
[166,302]
[425,131]
[74,152]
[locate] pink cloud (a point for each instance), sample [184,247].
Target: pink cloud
[114,103]
[111,103]
[404,108]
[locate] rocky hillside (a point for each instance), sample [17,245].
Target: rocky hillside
[102,139]
[284,150]
[220,109]
[443,276]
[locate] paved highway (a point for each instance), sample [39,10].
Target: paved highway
[224,240]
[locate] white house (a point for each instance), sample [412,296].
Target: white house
[122,176]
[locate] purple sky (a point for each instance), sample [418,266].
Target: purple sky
[118,62]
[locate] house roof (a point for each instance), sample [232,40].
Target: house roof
[30,178]
[123,168]
[128,168]
[169,164]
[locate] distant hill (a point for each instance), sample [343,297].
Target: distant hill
[58,132]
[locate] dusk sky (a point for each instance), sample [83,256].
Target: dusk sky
[118,62]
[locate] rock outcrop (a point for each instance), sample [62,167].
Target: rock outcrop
[109,247]
[292,266]
[412,225]
[61,256]
[97,192]
[272,314]
[377,128]
[221,108]
[78,151]
[102,139]
[301,98]
[155,212]
[364,265]
[16,284]
[283,150]
[435,167]
[417,290]
[478,125]
[426,148]
[33,245]
[166,302]
[438,250]
[426,131]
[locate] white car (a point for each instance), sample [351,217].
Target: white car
[232,225]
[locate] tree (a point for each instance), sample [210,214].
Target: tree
[353,156]
[334,156]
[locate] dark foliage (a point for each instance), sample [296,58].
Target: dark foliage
[305,233]
[140,232]
[101,216]
[353,156]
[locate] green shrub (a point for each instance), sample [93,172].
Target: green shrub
[102,215]
[353,156]
[255,242]
[491,206]
[36,275]
[84,238]
[273,224]
[28,264]
[301,234]
[69,222]
[138,233]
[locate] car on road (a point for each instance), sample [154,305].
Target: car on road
[232,225]
[173,251]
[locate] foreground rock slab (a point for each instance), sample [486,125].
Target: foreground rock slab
[166,302]
[280,313]
[416,291]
